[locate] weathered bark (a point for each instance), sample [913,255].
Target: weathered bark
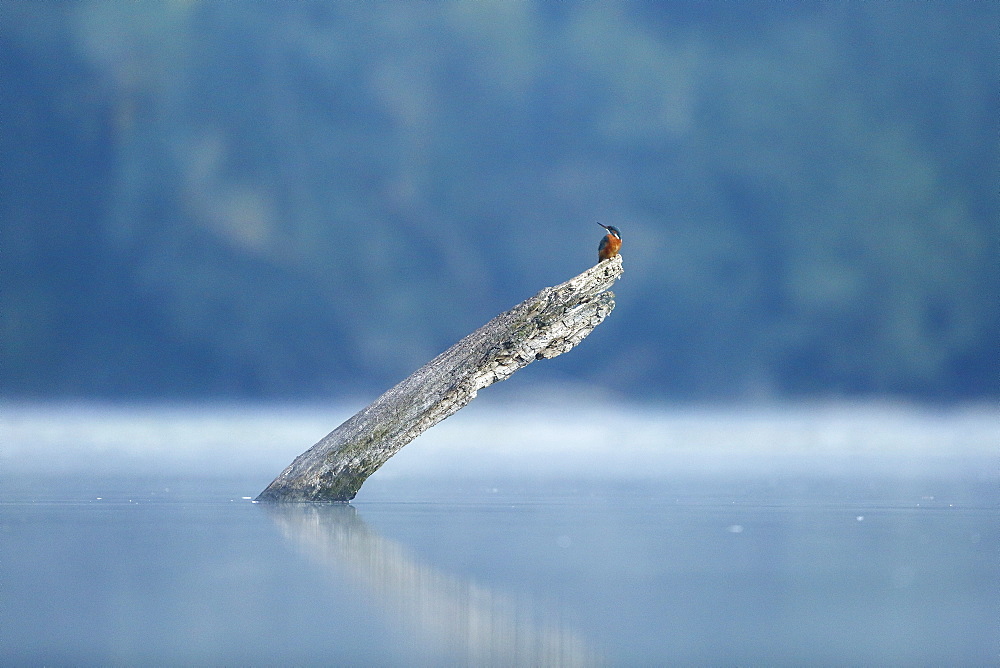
[547,325]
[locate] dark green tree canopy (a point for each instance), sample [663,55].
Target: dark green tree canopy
[274,199]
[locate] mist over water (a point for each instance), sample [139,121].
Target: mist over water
[513,440]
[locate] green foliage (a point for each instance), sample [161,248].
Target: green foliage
[274,198]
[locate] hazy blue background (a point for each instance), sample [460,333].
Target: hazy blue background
[312,199]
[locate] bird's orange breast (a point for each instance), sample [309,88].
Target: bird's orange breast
[609,247]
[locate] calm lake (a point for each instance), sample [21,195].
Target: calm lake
[551,535]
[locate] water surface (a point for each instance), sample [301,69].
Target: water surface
[723,537]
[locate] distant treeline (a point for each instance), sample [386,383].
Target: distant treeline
[292,199]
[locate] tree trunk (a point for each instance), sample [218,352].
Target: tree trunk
[547,325]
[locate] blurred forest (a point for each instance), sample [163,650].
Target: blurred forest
[312,199]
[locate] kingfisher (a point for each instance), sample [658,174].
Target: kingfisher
[610,244]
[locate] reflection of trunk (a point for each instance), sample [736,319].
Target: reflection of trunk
[548,324]
[454,621]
